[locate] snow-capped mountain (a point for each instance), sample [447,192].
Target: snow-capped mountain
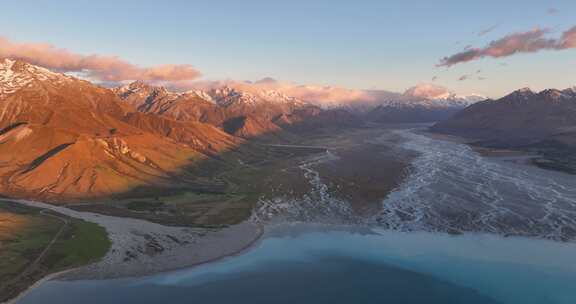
[16,74]
[455,101]
[63,138]
[539,122]
[140,88]
[522,114]
[245,112]
[225,96]
[431,95]
[138,92]
[422,103]
[143,96]
[423,96]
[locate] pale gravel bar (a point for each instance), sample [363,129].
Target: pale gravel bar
[141,248]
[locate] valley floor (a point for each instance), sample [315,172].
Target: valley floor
[545,155]
[165,232]
[378,176]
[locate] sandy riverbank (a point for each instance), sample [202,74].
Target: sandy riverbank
[141,248]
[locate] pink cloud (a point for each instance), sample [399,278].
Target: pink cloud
[427,91]
[324,95]
[525,42]
[103,68]
[569,39]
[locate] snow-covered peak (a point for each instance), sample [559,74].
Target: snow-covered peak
[471,98]
[134,87]
[554,94]
[558,95]
[526,95]
[200,94]
[226,96]
[520,95]
[524,92]
[142,89]
[432,95]
[17,74]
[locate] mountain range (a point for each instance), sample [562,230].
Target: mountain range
[542,122]
[521,117]
[239,113]
[64,138]
[422,103]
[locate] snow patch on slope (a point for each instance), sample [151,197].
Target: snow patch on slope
[15,75]
[226,96]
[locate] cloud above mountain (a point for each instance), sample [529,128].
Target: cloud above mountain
[427,91]
[113,71]
[95,67]
[324,95]
[525,42]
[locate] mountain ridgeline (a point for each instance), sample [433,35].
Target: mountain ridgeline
[421,104]
[543,122]
[66,139]
[239,113]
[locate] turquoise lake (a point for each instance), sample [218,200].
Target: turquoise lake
[315,264]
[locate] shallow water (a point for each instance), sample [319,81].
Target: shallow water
[296,265]
[452,188]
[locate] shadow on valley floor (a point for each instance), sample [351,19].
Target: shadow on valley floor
[223,189]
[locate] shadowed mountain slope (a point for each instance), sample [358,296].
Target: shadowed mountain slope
[521,117]
[543,123]
[66,138]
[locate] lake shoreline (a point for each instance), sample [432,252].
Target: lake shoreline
[305,257]
[206,247]
[141,247]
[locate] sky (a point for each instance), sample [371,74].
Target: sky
[361,44]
